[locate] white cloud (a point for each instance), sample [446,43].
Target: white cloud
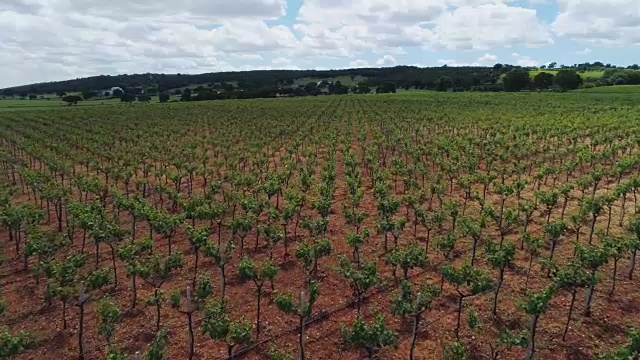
[242,56]
[611,22]
[524,61]
[57,41]
[487,58]
[281,61]
[359,64]
[493,25]
[46,40]
[387,60]
[584,51]
[345,28]
[451,62]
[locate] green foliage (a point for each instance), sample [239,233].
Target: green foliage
[629,351]
[568,79]
[360,278]
[537,303]
[454,351]
[175,298]
[249,270]
[472,319]
[446,244]
[12,345]
[218,326]
[543,80]
[98,278]
[516,80]
[157,269]
[203,290]
[407,258]
[198,237]
[158,348]
[285,301]
[572,276]
[407,303]
[109,315]
[499,257]
[116,354]
[310,252]
[466,277]
[371,337]
[275,353]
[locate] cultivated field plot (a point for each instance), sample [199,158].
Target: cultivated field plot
[514,216]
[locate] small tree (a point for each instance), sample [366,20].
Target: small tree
[360,279]
[533,244]
[616,248]
[592,258]
[499,258]
[408,304]
[355,240]
[506,341]
[109,315]
[71,99]
[554,231]
[158,348]
[198,239]
[94,281]
[407,258]
[594,206]
[156,271]
[132,254]
[634,228]
[474,230]
[248,270]
[221,256]
[63,275]
[310,253]
[370,337]
[467,281]
[218,326]
[286,303]
[167,225]
[535,305]
[572,277]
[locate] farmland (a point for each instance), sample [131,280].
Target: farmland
[514,216]
[595,74]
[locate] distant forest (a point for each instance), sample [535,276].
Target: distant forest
[270,83]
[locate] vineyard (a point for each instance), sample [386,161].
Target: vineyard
[412,226]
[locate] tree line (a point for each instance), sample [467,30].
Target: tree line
[272,83]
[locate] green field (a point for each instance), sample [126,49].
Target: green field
[18,104]
[617,89]
[585,75]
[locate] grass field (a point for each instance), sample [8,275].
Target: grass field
[618,89]
[17,104]
[498,208]
[585,75]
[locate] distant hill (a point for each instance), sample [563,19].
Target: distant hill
[266,83]
[402,76]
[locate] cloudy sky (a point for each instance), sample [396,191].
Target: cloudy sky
[47,40]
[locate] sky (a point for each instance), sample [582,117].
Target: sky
[49,40]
